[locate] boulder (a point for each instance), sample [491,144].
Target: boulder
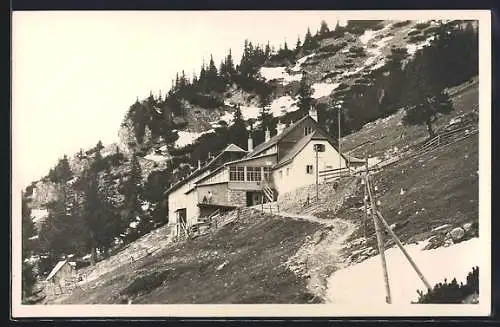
[467,227]
[448,242]
[457,233]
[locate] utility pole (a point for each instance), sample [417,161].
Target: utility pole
[317,174]
[380,241]
[340,152]
[318,148]
[339,106]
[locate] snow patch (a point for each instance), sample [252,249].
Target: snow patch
[156,157]
[323,89]
[278,73]
[186,138]
[249,112]
[283,105]
[299,63]
[350,285]
[367,36]
[440,227]
[382,42]
[37,214]
[379,64]
[413,48]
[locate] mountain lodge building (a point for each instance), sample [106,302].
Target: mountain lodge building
[240,178]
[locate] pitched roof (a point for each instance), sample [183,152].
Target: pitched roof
[54,271]
[276,138]
[233,148]
[295,150]
[230,148]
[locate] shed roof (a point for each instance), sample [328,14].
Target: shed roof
[230,148]
[56,268]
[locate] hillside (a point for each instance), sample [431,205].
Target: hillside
[365,72]
[204,270]
[322,245]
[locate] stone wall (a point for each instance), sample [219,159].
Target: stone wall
[237,198]
[219,193]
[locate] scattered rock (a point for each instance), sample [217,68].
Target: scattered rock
[457,234]
[448,242]
[467,227]
[222,265]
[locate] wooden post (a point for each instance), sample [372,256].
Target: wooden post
[400,245]
[365,200]
[340,153]
[365,219]
[380,243]
[317,176]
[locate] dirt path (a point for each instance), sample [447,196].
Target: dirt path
[321,255]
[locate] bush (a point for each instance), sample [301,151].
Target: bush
[421,26]
[401,24]
[416,38]
[452,292]
[357,50]
[324,55]
[333,47]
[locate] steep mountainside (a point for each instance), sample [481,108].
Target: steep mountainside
[360,72]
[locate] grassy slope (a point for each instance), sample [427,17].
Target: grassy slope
[187,273]
[377,137]
[443,182]
[441,186]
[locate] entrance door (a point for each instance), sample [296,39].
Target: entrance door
[249,199]
[256,198]
[182,216]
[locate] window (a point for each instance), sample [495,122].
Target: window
[267,174]
[288,171]
[254,174]
[237,173]
[309,169]
[281,174]
[307,130]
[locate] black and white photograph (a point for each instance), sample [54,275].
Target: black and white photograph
[251,163]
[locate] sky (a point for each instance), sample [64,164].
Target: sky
[75,74]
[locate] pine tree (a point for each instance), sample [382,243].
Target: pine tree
[211,68]
[268,51]
[323,29]
[298,44]
[61,173]
[428,111]
[132,189]
[307,40]
[28,230]
[305,96]
[393,90]
[238,131]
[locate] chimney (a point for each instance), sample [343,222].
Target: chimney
[267,135]
[280,127]
[250,143]
[199,164]
[313,113]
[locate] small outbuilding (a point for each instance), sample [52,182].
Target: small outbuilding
[62,277]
